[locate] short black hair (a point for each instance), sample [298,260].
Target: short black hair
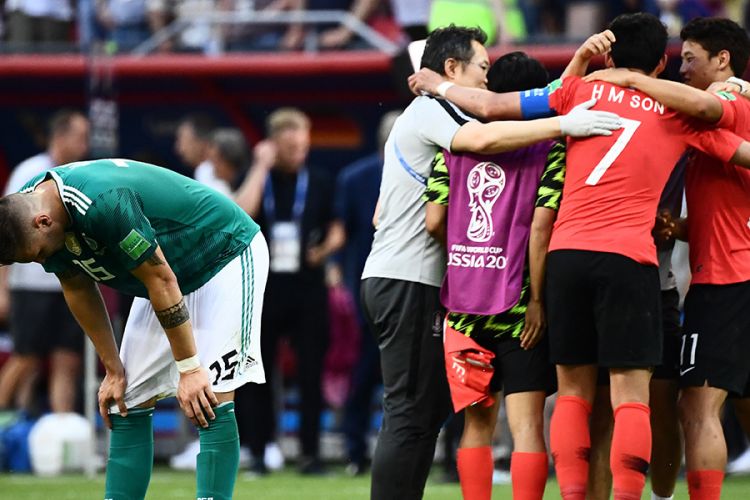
[641,41]
[716,34]
[203,125]
[516,71]
[11,228]
[59,122]
[232,146]
[451,42]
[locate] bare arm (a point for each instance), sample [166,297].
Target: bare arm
[249,196]
[496,137]
[87,306]
[742,155]
[435,221]
[680,97]
[4,294]
[194,391]
[335,239]
[597,44]
[541,230]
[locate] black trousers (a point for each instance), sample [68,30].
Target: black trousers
[407,320]
[295,312]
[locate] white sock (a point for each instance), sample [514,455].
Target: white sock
[654,496]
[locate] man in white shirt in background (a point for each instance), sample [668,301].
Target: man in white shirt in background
[32,300]
[192,143]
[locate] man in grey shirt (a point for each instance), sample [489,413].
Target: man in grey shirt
[403,273]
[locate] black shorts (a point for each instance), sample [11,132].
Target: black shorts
[669,369]
[603,308]
[716,341]
[517,369]
[40,322]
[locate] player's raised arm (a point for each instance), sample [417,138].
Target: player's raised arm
[678,96]
[194,391]
[87,306]
[597,44]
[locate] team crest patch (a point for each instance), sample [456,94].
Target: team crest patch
[554,85]
[72,244]
[727,96]
[134,244]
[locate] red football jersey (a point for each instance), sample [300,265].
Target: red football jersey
[718,197]
[612,184]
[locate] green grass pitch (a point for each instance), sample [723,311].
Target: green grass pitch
[166,485]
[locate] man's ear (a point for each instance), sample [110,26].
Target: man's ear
[662,64]
[42,221]
[724,59]
[450,66]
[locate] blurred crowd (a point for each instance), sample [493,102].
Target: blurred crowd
[120,26]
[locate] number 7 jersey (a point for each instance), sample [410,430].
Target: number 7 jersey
[120,210]
[613,183]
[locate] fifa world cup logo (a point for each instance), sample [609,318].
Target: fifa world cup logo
[485,183]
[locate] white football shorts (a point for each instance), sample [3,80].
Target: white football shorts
[225,314]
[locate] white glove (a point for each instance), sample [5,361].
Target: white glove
[582,122]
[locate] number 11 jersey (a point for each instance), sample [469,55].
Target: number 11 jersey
[613,183]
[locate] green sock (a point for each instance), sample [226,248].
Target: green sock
[131,455]
[220,455]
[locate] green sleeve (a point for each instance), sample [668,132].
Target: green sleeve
[438,184]
[550,189]
[116,219]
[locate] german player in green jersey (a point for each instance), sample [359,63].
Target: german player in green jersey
[197,265]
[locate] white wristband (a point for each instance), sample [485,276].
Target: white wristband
[188,364]
[443,88]
[742,84]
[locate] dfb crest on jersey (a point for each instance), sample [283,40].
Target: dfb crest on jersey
[72,244]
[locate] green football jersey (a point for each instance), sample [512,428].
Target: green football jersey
[122,209]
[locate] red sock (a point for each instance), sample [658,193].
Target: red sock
[631,450]
[571,445]
[528,472]
[475,472]
[705,484]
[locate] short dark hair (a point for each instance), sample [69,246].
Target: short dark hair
[641,41]
[451,42]
[203,125]
[516,71]
[12,229]
[59,122]
[231,145]
[716,34]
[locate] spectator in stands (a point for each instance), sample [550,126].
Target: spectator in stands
[340,36]
[39,24]
[356,196]
[412,17]
[192,143]
[125,22]
[199,36]
[259,37]
[40,321]
[293,203]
